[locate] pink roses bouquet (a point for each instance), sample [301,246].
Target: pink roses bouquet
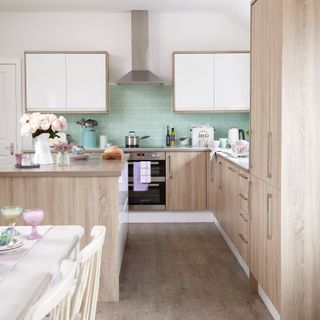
[37,123]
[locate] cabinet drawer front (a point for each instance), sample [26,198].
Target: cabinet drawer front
[244,183]
[243,203]
[243,246]
[243,224]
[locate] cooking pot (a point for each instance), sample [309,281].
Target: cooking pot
[132,140]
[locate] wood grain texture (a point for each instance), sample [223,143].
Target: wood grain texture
[5,196]
[186,181]
[94,167]
[260,88]
[300,192]
[85,201]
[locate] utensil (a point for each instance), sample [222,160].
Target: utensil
[33,217]
[12,213]
[13,245]
[132,140]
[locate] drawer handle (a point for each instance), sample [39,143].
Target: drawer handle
[243,176]
[269,216]
[231,169]
[169,165]
[242,238]
[243,197]
[243,217]
[269,155]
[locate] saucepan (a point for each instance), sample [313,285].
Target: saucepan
[132,140]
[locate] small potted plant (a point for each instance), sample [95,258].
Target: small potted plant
[63,149]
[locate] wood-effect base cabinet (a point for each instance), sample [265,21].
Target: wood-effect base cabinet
[265,238]
[186,181]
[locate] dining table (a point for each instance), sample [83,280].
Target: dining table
[28,272]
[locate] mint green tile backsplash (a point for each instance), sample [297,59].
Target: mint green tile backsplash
[147,109]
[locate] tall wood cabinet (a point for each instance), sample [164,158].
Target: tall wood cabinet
[284,190]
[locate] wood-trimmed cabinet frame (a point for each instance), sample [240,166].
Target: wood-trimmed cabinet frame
[82,111]
[174,79]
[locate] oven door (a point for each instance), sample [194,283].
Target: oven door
[158,168]
[152,199]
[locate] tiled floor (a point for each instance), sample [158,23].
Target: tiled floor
[181,271]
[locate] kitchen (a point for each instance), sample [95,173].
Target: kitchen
[216,73]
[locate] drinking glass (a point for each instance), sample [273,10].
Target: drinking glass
[33,217]
[12,213]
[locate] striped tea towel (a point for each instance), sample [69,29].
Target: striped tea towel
[137,185]
[145,172]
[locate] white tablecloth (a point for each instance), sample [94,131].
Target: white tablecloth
[26,273]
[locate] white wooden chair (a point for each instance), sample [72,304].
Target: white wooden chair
[85,297]
[57,300]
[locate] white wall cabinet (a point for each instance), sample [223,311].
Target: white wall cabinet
[45,82]
[66,82]
[194,82]
[211,82]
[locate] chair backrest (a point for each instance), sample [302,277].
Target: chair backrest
[85,297]
[56,301]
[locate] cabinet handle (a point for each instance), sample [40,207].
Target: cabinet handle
[231,169]
[269,155]
[243,217]
[269,216]
[243,197]
[149,185]
[212,171]
[243,176]
[242,238]
[249,204]
[169,167]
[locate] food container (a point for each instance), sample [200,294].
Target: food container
[132,140]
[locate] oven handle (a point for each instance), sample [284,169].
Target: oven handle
[156,163]
[149,184]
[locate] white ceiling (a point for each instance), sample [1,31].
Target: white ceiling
[239,10]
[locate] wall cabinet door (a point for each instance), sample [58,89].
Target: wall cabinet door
[232,81]
[86,82]
[193,82]
[66,82]
[45,82]
[186,176]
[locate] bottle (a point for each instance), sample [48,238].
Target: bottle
[168,138]
[172,138]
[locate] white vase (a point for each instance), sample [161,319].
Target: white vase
[42,150]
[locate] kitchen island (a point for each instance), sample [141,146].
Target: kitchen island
[86,193]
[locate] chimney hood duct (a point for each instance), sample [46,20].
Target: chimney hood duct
[140,73]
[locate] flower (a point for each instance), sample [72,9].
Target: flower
[45,124]
[63,123]
[56,126]
[52,117]
[35,124]
[26,129]
[63,147]
[38,123]
[25,118]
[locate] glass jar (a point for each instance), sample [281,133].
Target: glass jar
[63,158]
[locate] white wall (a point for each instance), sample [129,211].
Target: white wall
[111,31]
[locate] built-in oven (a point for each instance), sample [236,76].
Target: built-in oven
[155,197]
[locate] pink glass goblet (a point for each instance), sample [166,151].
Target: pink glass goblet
[33,217]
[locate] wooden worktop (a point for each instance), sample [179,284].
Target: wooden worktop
[94,167]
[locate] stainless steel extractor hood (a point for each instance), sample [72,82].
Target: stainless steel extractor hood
[140,51]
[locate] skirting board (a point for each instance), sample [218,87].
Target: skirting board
[273,311]
[233,249]
[170,217]
[268,304]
